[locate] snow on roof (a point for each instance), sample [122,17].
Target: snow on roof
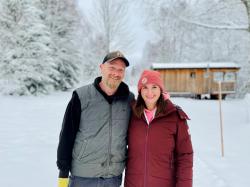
[194,65]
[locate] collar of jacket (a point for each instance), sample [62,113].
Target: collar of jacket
[121,93]
[170,108]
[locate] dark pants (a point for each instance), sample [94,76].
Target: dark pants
[75,181]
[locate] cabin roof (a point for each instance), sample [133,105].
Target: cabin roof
[197,65]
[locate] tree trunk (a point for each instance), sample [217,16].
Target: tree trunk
[247,5]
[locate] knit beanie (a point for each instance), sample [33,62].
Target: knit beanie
[150,77]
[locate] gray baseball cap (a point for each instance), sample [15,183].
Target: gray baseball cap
[115,55]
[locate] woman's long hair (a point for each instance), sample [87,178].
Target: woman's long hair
[139,105]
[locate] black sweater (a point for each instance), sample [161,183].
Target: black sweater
[70,126]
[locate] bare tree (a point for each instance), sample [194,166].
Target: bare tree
[201,30]
[245,88]
[247,5]
[110,30]
[182,18]
[174,37]
[112,22]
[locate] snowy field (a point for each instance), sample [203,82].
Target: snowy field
[29,129]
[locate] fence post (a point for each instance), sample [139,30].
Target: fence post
[221,124]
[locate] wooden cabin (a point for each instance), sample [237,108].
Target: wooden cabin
[198,79]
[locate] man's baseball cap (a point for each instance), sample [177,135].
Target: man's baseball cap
[115,55]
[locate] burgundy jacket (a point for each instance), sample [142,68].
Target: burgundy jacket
[160,154]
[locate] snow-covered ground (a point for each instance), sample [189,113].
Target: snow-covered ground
[29,130]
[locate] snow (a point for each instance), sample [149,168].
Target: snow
[30,126]
[178,65]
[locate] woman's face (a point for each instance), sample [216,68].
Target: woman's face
[150,94]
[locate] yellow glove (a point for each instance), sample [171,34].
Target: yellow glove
[63,182]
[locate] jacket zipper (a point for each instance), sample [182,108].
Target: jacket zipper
[110,138]
[171,161]
[146,156]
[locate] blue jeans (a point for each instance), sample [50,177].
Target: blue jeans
[75,181]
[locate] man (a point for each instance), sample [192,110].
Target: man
[92,144]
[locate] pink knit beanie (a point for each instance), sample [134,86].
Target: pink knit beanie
[150,77]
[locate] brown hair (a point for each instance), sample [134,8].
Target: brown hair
[139,105]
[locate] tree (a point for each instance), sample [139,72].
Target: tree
[245,88]
[247,6]
[189,23]
[110,30]
[112,22]
[200,31]
[63,20]
[172,36]
[26,63]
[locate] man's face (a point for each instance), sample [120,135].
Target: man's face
[113,73]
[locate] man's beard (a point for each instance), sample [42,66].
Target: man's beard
[112,84]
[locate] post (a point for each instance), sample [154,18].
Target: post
[247,98]
[221,124]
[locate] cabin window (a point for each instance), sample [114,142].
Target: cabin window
[192,75]
[225,76]
[229,77]
[218,76]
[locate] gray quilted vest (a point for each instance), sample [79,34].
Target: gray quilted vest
[100,145]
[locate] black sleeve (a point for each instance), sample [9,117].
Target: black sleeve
[68,132]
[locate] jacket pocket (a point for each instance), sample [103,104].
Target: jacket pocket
[79,149]
[163,168]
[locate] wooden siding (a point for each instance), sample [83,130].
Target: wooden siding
[195,81]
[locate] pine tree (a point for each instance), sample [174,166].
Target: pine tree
[62,18]
[26,65]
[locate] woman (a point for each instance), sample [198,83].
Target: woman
[160,152]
